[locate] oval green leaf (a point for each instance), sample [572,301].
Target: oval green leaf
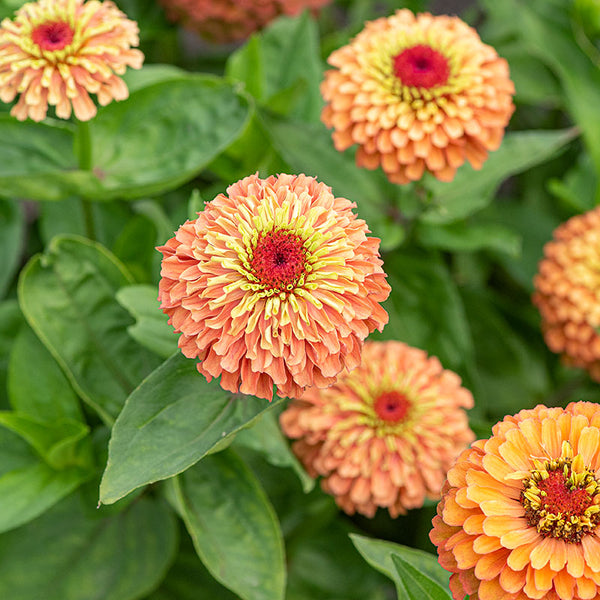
[233,525]
[173,419]
[68,297]
[71,553]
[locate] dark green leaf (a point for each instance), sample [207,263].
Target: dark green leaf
[12,222]
[162,136]
[188,579]
[28,486]
[417,585]
[37,159]
[471,190]
[70,553]
[265,436]
[48,396]
[68,298]
[233,525]
[470,237]
[425,308]
[378,553]
[283,55]
[173,419]
[60,443]
[11,321]
[151,329]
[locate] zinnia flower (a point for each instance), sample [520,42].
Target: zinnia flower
[384,434]
[520,512]
[417,93]
[275,283]
[231,20]
[57,52]
[568,292]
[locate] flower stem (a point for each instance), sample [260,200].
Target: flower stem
[84,155]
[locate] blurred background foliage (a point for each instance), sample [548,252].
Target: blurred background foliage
[460,258]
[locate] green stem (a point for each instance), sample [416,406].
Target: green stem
[84,155]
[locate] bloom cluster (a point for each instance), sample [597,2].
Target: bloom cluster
[417,93]
[275,283]
[230,20]
[385,434]
[568,292]
[520,512]
[57,52]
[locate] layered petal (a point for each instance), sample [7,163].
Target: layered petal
[540,542]
[567,293]
[384,434]
[417,93]
[58,52]
[276,283]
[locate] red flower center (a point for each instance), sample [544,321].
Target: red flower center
[54,35]
[279,260]
[391,406]
[560,499]
[421,66]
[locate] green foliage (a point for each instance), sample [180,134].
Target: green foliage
[124,474]
[168,423]
[233,526]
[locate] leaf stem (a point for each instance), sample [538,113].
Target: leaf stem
[84,155]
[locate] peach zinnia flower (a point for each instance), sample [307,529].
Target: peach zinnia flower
[417,93]
[230,20]
[568,292]
[520,512]
[384,434]
[57,52]
[275,283]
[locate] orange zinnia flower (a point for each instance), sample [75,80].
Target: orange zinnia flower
[520,512]
[568,292]
[384,434]
[275,283]
[417,93]
[230,20]
[57,52]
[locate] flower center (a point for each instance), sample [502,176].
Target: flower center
[562,499]
[421,66]
[279,260]
[391,406]
[54,35]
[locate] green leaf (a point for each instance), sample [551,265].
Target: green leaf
[233,526]
[11,321]
[28,486]
[323,564]
[71,553]
[308,149]
[547,30]
[282,56]
[162,136]
[470,237]
[151,329]
[149,74]
[58,443]
[425,309]
[173,419]
[188,578]
[68,297]
[48,396]
[471,190]
[416,585]
[265,436]
[35,157]
[12,222]
[379,554]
